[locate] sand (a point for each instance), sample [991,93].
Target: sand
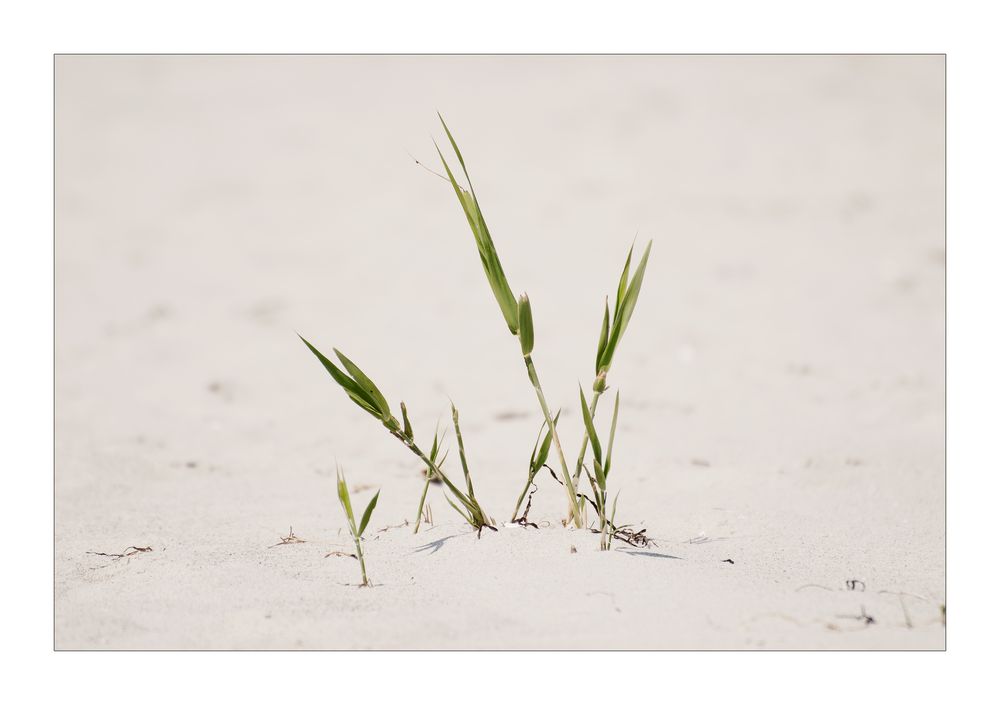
[782,421]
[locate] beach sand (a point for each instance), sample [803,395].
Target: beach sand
[781,430]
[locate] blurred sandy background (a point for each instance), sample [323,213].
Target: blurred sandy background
[782,379]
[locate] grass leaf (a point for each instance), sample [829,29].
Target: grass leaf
[602,339]
[365,383]
[543,451]
[468,518]
[623,281]
[525,325]
[407,428]
[353,390]
[345,498]
[461,453]
[591,432]
[487,250]
[368,513]
[611,436]
[623,312]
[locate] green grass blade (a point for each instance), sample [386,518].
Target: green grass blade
[365,383]
[435,447]
[407,428]
[345,499]
[487,250]
[602,339]
[467,517]
[534,451]
[353,390]
[597,494]
[368,513]
[461,453]
[454,146]
[623,281]
[525,325]
[602,480]
[624,312]
[543,451]
[591,432]
[611,437]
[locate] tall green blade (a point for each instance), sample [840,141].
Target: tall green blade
[543,451]
[368,513]
[602,481]
[623,281]
[345,499]
[602,339]
[624,312]
[487,250]
[358,395]
[461,453]
[611,436]
[591,432]
[467,517]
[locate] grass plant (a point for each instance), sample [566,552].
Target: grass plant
[516,312]
[518,318]
[612,331]
[357,530]
[363,392]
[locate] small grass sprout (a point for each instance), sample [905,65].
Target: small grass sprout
[602,469]
[357,530]
[429,474]
[612,330]
[539,455]
[516,313]
[363,392]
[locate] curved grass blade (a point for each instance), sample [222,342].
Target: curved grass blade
[353,390]
[623,281]
[461,453]
[484,242]
[365,383]
[602,339]
[407,428]
[602,481]
[611,436]
[468,517]
[591,431]
[368,513]
[624,311]
[525,325]
[543,451]
[345,498]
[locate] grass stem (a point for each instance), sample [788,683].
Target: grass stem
[423,497]
[567,479]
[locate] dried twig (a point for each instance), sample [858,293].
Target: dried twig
[127,553]
[523,520]
[291,538]
[341,554]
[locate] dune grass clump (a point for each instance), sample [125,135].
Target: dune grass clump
[518,318]
[357,530]
[363,392]
[517,315]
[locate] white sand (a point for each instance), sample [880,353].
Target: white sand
[782,380]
